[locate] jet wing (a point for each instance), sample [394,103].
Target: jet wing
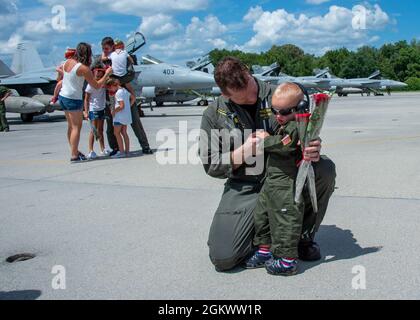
[14,81]
[321,81]
[370,83]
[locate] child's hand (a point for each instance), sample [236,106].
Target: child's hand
[85,115]
[108,71]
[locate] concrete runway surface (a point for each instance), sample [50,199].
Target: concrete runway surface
[135,229]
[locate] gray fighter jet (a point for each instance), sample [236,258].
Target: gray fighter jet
[270,74]
[163,82]
[31,83]
[372,84]
[273,75]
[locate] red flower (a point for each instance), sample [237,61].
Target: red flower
[320,97]
[302,117]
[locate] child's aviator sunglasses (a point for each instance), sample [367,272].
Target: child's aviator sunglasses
[284,112]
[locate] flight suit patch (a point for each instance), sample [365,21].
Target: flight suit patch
[286,140]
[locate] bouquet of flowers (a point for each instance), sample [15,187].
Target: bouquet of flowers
[309,128]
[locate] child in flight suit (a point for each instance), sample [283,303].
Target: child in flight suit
[278,219]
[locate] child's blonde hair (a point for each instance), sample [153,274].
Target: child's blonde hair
[119,44]
[112,82]
[285,92]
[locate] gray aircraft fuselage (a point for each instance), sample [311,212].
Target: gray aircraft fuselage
[173,77]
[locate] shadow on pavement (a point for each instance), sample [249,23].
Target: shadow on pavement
[337,244]
[16,121]
[20,295]
[132,154]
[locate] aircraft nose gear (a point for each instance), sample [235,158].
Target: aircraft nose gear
[203,103]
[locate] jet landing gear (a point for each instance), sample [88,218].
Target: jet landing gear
[27,117]
[202,103]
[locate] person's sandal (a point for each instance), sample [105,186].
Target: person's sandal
[80,158]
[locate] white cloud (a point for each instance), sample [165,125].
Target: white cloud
[172,41]
[159,26]
[314,33]
[210,27]
[39,27]
[138,8]
[199,37]
[253,14]
[317,1]
[9,46]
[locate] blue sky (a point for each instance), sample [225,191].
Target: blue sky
[180,30]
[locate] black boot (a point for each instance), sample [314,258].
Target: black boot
[147,151]
[309,251]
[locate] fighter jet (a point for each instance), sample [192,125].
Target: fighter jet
[31,83]
[273,75]
[163,82]
[344,87]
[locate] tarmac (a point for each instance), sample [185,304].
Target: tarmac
[136,229]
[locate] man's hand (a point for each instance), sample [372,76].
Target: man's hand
[7,95]
[261,134]
[247,150]
[313,152]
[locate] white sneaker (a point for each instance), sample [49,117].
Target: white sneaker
[92,155]
[118,155]
[105,153]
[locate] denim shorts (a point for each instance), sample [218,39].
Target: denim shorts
[118,124]
[97,115]
[70,105]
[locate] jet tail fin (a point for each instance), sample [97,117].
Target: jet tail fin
[26,59]
[5,70]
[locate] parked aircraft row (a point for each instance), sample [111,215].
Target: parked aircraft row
[156,81]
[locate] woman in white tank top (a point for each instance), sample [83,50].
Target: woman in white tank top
[76,71]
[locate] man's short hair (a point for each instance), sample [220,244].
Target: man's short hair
[231,73]
[108,41]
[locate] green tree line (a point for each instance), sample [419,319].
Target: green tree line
[398,61]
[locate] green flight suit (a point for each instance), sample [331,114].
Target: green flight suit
[3,121]
[232,231]
[278,219]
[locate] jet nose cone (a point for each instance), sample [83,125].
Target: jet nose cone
[202,79]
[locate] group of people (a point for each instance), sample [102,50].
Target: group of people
[100,91]
[258,224]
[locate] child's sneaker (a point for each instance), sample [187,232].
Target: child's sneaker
[258,260]
[92,155]
[282,267]
[105,153]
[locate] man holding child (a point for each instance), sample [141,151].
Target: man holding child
[246,105]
